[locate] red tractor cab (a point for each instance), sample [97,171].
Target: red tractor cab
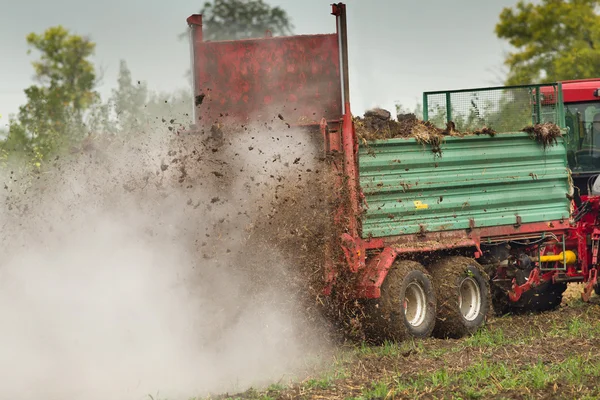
[581,102]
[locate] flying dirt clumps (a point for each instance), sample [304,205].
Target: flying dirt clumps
[178,264]
[546,133]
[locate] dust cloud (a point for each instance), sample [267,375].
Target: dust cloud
[163,265]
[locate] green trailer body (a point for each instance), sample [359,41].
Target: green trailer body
[477,182]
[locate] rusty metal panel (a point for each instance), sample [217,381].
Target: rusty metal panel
[478,182]
[295,76]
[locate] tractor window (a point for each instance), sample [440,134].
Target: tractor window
[583,140]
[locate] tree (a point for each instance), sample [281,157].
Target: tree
[242,19]
[56,105]
[170,110]
[554,40]
[129,100]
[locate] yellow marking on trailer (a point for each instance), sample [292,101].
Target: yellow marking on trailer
[420,206]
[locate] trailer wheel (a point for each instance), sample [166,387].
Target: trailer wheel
[463,296]
[407,305]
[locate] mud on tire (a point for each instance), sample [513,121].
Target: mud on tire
[407,306]
[463,296]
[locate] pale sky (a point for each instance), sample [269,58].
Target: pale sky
[397,48]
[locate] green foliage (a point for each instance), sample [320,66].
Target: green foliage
[53,114]
[99,118]
[64,69]
[475,382]
[402,110]
[16,139]
[129,100]
[576,327]
[177,105]
[553,40]
[3,150]
[377,391]
[242,19]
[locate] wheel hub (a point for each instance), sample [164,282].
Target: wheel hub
[469,299]
[415,304]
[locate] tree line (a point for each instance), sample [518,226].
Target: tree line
[64,108]
[551,40]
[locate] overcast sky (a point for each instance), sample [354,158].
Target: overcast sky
[397,48]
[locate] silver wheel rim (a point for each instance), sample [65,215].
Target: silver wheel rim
[415,304]
[469,299]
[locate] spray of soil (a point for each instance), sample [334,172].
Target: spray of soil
[172,266]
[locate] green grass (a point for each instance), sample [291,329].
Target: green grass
[576,328]
[388,349]
[328,379]
[483,379]
[323,383]
[276,387]
[378,390]
[486,338]
[479,380]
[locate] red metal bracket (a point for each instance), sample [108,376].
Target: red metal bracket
[589,286]
[376,270]
[595,244]
[477,241]
[354,250]
[533,281]
[331,138]
[338,9]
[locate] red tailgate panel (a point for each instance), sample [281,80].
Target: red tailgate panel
[257,79]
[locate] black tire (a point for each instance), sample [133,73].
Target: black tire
[463,296]
[500,300]
[407,306]
[597,289]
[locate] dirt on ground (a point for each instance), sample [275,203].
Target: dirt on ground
[550,355]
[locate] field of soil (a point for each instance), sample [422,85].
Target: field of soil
[551,355]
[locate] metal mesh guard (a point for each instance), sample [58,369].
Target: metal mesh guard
[503,109]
